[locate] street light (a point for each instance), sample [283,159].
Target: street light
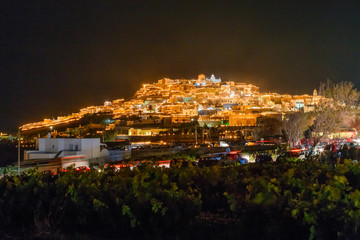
[19,143]
[49,134]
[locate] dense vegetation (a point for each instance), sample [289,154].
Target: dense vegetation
[295,200]
[8,152]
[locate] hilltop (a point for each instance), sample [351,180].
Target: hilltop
[186,100]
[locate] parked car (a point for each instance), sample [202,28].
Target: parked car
[243,160]
[208,161]
[263,158]
[292,154]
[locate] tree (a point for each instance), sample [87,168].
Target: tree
[343,94]
[354,122]
[270,126]
[339,101]
[295,124]
[109,136]
[326,120]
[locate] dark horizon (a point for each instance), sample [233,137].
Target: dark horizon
[57,58]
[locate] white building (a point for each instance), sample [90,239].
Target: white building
[297,103]
[213,79]
[61,147]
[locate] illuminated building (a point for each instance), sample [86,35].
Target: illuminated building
[243,119]
[62,147]
[183,100]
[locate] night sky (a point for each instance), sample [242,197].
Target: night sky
[59,56]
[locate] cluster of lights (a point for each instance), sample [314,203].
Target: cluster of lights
[182,100]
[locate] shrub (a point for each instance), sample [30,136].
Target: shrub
[297,200]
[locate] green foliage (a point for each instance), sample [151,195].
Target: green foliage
[291,200]
[292,159]
[109,136]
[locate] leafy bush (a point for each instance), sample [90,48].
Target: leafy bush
[291,200]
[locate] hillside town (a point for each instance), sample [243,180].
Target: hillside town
[210,101]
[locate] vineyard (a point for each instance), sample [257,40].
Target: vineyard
[291,200]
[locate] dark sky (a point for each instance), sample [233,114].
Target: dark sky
[59,56]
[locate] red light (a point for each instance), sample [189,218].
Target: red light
[234,152]
[164,161]
[72,157]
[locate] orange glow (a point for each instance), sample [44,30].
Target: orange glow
[235,152]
